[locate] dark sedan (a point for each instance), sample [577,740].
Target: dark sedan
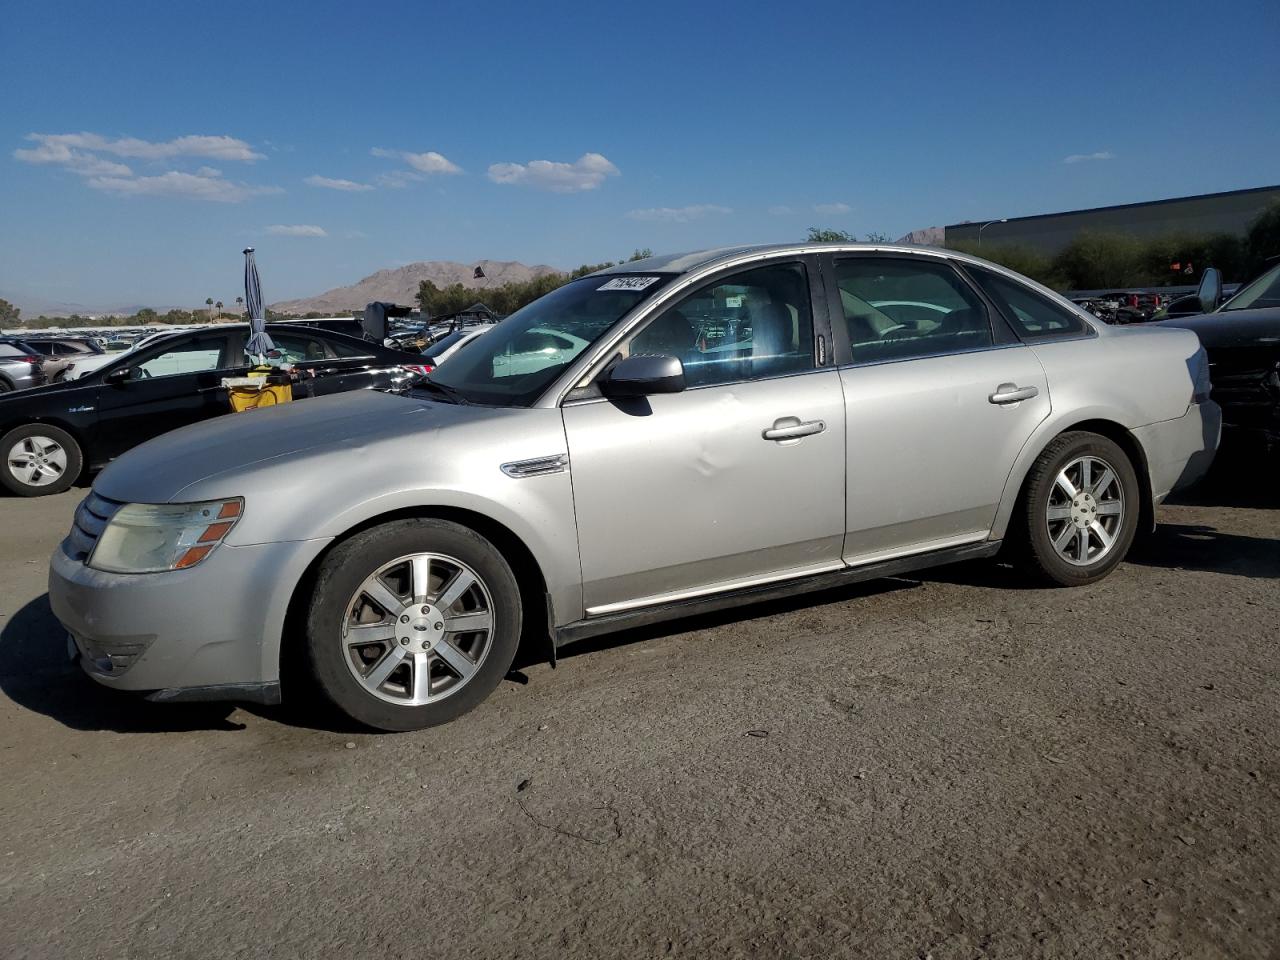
[1242,340]
[50,436]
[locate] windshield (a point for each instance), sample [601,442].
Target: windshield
[1263,292]
[517,360]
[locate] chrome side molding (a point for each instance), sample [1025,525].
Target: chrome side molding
[537,467]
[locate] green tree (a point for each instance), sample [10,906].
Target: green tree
[1262,241]
[641,254]
[8,312]
[875,236]
[825,235]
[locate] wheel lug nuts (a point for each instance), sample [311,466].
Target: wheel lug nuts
[439,626]
[404,619]
[404,641]
[426,609]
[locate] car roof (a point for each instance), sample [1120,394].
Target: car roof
[702,260]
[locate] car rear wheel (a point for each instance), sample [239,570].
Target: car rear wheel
[412,623]
[1080,509]
[39,460]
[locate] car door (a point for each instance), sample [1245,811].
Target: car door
[736,480]
[940,397]
[174,383]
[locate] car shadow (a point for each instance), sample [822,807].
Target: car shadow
[1178,546]
[720,618]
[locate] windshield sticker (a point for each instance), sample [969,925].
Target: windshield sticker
[629,283]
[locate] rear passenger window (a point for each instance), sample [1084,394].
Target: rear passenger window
[1033,316]
[897,309]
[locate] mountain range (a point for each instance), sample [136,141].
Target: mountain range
[400,285]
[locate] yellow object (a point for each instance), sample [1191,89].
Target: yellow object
[252,398]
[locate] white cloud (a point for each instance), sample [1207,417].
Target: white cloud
[178,184]
[831,209]
[83,154]
[77,161]
[585,173]
[210,147]
[1082,157]
[431,162]
[397,179]
[296,230]
[330,183]
[678,214]
[781,210]
[428,163]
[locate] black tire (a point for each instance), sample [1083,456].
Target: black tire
[340,577]
[16,484]
[1041,558]
[5,385]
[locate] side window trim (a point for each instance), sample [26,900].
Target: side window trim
[1002,333]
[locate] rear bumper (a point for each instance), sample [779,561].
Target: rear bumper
[1180,451]
[211,632]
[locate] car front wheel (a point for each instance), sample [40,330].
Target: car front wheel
[1080,510]
[39,460]
[412,623]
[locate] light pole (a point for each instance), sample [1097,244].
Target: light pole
[987,224]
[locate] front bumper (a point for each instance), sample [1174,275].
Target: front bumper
[1179,452]
[210,632]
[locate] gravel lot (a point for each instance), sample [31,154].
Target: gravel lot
[954,766]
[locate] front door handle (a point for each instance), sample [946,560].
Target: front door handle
[793,428]
[1012,393]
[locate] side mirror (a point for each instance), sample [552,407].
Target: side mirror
[1210,290]
[119,375]
[642,376]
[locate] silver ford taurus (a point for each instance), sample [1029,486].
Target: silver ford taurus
[661,438]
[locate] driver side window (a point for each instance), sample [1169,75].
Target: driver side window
[900,308]
[195,356]
[746,326]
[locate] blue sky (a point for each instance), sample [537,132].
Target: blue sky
[146,143]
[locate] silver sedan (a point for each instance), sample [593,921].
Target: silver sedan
[669,436]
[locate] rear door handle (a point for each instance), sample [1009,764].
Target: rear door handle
[1012,393]
[793,428]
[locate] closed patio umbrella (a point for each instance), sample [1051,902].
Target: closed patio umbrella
[259,344]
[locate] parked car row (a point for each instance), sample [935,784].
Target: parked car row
[50,437]
[669,436]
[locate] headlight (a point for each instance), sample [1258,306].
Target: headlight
[149,538]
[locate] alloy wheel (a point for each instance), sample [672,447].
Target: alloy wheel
[1085,512]
[37,461]
[418,629]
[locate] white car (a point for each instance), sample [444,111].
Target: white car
[97,361]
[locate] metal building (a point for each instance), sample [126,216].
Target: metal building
[1227,212]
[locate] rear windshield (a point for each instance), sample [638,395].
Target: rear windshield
[12,349]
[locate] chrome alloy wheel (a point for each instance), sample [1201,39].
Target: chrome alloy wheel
[37,461]
[1085,513]
[418,629]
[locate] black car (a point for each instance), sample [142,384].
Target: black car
[1242,340]
[50,436]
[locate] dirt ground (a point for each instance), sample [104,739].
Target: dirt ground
[950,766]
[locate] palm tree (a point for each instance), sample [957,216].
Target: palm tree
[219,306]
[208,302]
[239,303]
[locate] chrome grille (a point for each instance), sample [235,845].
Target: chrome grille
[90,520]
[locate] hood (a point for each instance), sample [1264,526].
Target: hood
[1233,328]
[290,434]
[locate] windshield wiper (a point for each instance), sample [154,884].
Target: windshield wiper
[452,394]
